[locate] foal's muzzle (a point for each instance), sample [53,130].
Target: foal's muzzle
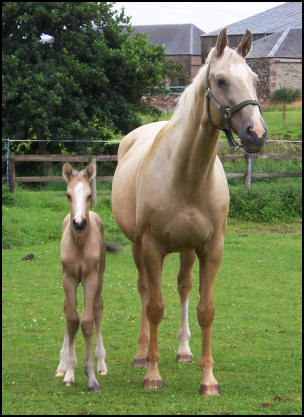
[79,226]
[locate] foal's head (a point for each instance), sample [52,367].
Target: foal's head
[79,193]
[232,82]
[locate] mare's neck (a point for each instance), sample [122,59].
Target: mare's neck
[196,139]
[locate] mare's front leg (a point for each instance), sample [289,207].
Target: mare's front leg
[140,360]
[185,279]
[152,260]
[209,260]
[91,286]
[68,359]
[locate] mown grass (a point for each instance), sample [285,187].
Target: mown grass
[256,333]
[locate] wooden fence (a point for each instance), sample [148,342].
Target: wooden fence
[247,176]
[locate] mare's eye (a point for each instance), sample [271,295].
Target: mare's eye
[221,82]
[68,196]
[89,197]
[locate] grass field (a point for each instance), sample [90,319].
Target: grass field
[256,333]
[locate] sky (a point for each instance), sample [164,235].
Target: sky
[207,16]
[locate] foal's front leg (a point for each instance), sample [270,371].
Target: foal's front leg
[90,286]
[68,359]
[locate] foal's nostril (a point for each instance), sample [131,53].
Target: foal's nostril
[81,225]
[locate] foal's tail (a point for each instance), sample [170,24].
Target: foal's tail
[113,247]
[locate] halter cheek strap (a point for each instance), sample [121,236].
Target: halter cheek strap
[227,112]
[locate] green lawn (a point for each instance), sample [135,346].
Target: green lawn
[256,333]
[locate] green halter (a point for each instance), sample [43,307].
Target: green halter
[227,111]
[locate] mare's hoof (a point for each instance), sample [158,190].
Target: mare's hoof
[210,389]
[140,363]
[59,374]
[184,357]
[152,383]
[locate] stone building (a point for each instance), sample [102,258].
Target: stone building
[276,54]
[181,42]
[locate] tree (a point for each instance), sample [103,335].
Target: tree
[71,71]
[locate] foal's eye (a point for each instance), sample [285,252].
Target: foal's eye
[89,197]
[68,196]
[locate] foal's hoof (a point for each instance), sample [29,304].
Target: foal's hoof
[68,384]
[210,389]
[140,363]
[94,388]
[152,383]
[59,374]
[102,372]
[184,357]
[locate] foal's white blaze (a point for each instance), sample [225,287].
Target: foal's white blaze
[80,203]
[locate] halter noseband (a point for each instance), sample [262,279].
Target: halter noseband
[227,111]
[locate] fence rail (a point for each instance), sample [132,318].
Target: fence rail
[247,176]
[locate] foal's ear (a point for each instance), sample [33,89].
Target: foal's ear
[67,171]
[221,42]
[90,172]
[245,44]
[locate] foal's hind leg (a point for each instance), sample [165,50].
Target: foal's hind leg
[100,350]
[184,280]
[140,360]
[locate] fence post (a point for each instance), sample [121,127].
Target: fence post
[93,183]
[248,170]
[11,173]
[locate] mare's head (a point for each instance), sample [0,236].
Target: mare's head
[232,82]
[79,193]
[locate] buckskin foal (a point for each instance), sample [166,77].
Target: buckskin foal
[82,252]
[170,194]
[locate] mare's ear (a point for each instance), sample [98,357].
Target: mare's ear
[67,171]
[245,44]
[90,172]
[221,42]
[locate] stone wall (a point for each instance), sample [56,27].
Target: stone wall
[165,102]
[285,74]
[261,67]
[275,73]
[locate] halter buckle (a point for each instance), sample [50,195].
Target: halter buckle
[227,112]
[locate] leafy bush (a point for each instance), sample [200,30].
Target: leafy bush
[266,202]
[286,95]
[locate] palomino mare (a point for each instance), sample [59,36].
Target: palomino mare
[170,194]
[82,252]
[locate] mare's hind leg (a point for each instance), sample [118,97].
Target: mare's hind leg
[100,353]
[184,280]
[140,360]
[209,262]
[68,359]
